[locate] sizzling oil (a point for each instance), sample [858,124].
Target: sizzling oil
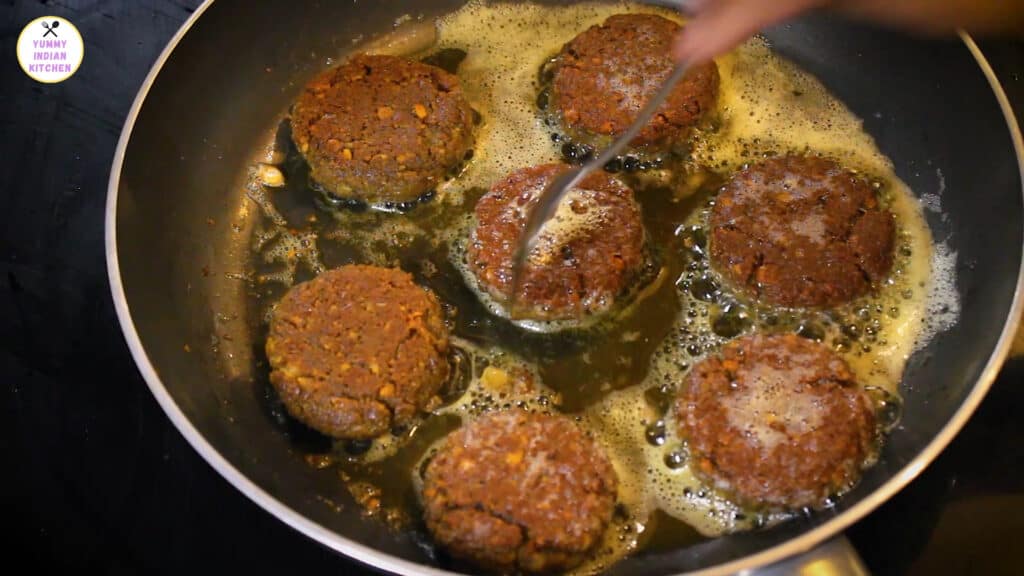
[618,380]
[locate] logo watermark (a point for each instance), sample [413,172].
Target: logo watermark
[50,49]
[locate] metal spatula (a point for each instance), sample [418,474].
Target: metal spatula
[551,197]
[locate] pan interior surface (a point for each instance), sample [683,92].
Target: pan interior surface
[183,225]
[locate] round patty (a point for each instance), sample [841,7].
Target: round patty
[357,350]
[801,231]
[607,73]
[588,255]
[776,422]
[515,491]
[382,128]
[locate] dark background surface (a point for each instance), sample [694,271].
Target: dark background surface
[98,480]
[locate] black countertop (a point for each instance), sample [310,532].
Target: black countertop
[100,481]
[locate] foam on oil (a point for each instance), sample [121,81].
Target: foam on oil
[766,105]
[506,45]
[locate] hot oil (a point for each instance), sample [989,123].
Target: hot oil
[506,45]
[773,107]
[618,378]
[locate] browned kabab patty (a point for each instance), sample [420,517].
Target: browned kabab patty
[358,350]
[776,422]
[382,128]
[588,255]
[801,231]
[607,73]
[518,491]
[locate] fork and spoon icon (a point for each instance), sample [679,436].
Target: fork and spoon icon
[50,28]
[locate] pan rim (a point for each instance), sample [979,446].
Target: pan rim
[794,546]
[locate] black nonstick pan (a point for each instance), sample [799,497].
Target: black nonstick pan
[178,226]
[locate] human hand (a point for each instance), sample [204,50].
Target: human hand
[719,25]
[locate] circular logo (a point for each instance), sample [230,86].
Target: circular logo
[50,49]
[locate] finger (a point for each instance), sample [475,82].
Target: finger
[719,25]
[692,6]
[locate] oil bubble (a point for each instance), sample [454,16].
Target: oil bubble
[447,59]
[888,408]
[676,459]
[660,397]
[458,382]
[542,98]
[811,331]
[704,289]
[731,322]
[851,331]
[655,433]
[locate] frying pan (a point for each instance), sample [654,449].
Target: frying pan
[178,228]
